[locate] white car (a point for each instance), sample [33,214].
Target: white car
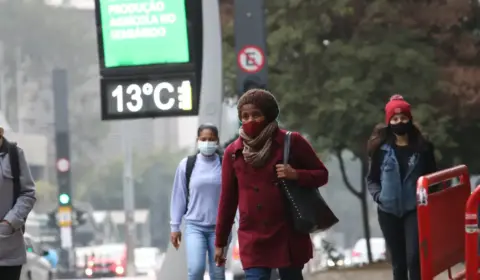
[148,261]
[37,267]
[359,254]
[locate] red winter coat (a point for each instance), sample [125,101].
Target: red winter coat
[266,236]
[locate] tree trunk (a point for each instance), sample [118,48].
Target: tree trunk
[361,195]
[366,227]
[364,205]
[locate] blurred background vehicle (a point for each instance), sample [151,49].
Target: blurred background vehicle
[37,266]
[359,253]
[148,261]
[107,261]
[51,256]
[335,255]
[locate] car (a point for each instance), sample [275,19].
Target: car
[107,261]
[359,256]
[37,266]
[148,261]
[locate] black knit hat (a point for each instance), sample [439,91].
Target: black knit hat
[263,100]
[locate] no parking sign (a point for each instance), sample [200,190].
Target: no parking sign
[251,59]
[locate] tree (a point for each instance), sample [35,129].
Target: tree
[333,66]
[104,186]
[153,179]
[454,30]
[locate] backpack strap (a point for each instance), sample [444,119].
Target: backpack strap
[286,147]
[188,173]
[15,167]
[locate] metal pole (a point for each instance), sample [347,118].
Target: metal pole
[211,94]
[62,143]
[174,266]
[250,44]
[3,79]
[128,200]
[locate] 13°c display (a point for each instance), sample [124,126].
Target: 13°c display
[126,98]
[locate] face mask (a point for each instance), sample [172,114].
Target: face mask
[401,128]
[207,148]
[253,128]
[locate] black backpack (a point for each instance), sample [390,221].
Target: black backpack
[188,173]
[12,151]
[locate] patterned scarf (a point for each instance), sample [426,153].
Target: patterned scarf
[256,151]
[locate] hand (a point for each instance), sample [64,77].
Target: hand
[7,228]
[5,222]
[285,171]
[220,260]
[176,239]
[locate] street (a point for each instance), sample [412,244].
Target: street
[229,276]
[373,272]
[118,278]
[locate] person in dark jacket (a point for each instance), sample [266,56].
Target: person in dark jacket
[14,210]
[250,170]
[399,155]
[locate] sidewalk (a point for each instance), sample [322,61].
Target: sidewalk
[374,272]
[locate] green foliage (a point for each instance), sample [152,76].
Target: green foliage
[229,64]
[153,178]
[333,85]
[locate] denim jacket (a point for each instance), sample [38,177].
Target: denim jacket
[396,196]
[391,193]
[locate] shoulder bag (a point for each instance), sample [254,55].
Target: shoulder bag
[309,210]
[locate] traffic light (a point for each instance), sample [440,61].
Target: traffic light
[64,199]
[252,82]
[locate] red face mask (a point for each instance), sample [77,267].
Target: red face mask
[253,128]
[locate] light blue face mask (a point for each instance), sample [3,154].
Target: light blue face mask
[207,148]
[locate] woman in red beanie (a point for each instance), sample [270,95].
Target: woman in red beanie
[250,171]
[399,155]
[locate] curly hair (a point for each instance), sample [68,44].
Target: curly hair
[382,134]
[263,100]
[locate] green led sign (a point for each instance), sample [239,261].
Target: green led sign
[143,32]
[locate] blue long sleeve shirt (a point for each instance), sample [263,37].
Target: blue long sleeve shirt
[205,185]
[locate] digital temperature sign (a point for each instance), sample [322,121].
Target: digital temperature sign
[142,32]
[124,98]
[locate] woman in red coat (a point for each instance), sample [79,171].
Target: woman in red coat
[250,171]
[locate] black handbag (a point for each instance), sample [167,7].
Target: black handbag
[309,210]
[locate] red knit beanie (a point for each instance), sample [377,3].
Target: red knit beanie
[397,105]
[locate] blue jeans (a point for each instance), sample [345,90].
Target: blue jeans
[200,240]
[264,273]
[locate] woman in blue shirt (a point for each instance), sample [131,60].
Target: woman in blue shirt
[399,155]
[197,204]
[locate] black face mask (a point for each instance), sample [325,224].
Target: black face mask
[401,128]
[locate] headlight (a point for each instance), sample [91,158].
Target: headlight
[340,263]
[119,270]
[88,272]
[330,263]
